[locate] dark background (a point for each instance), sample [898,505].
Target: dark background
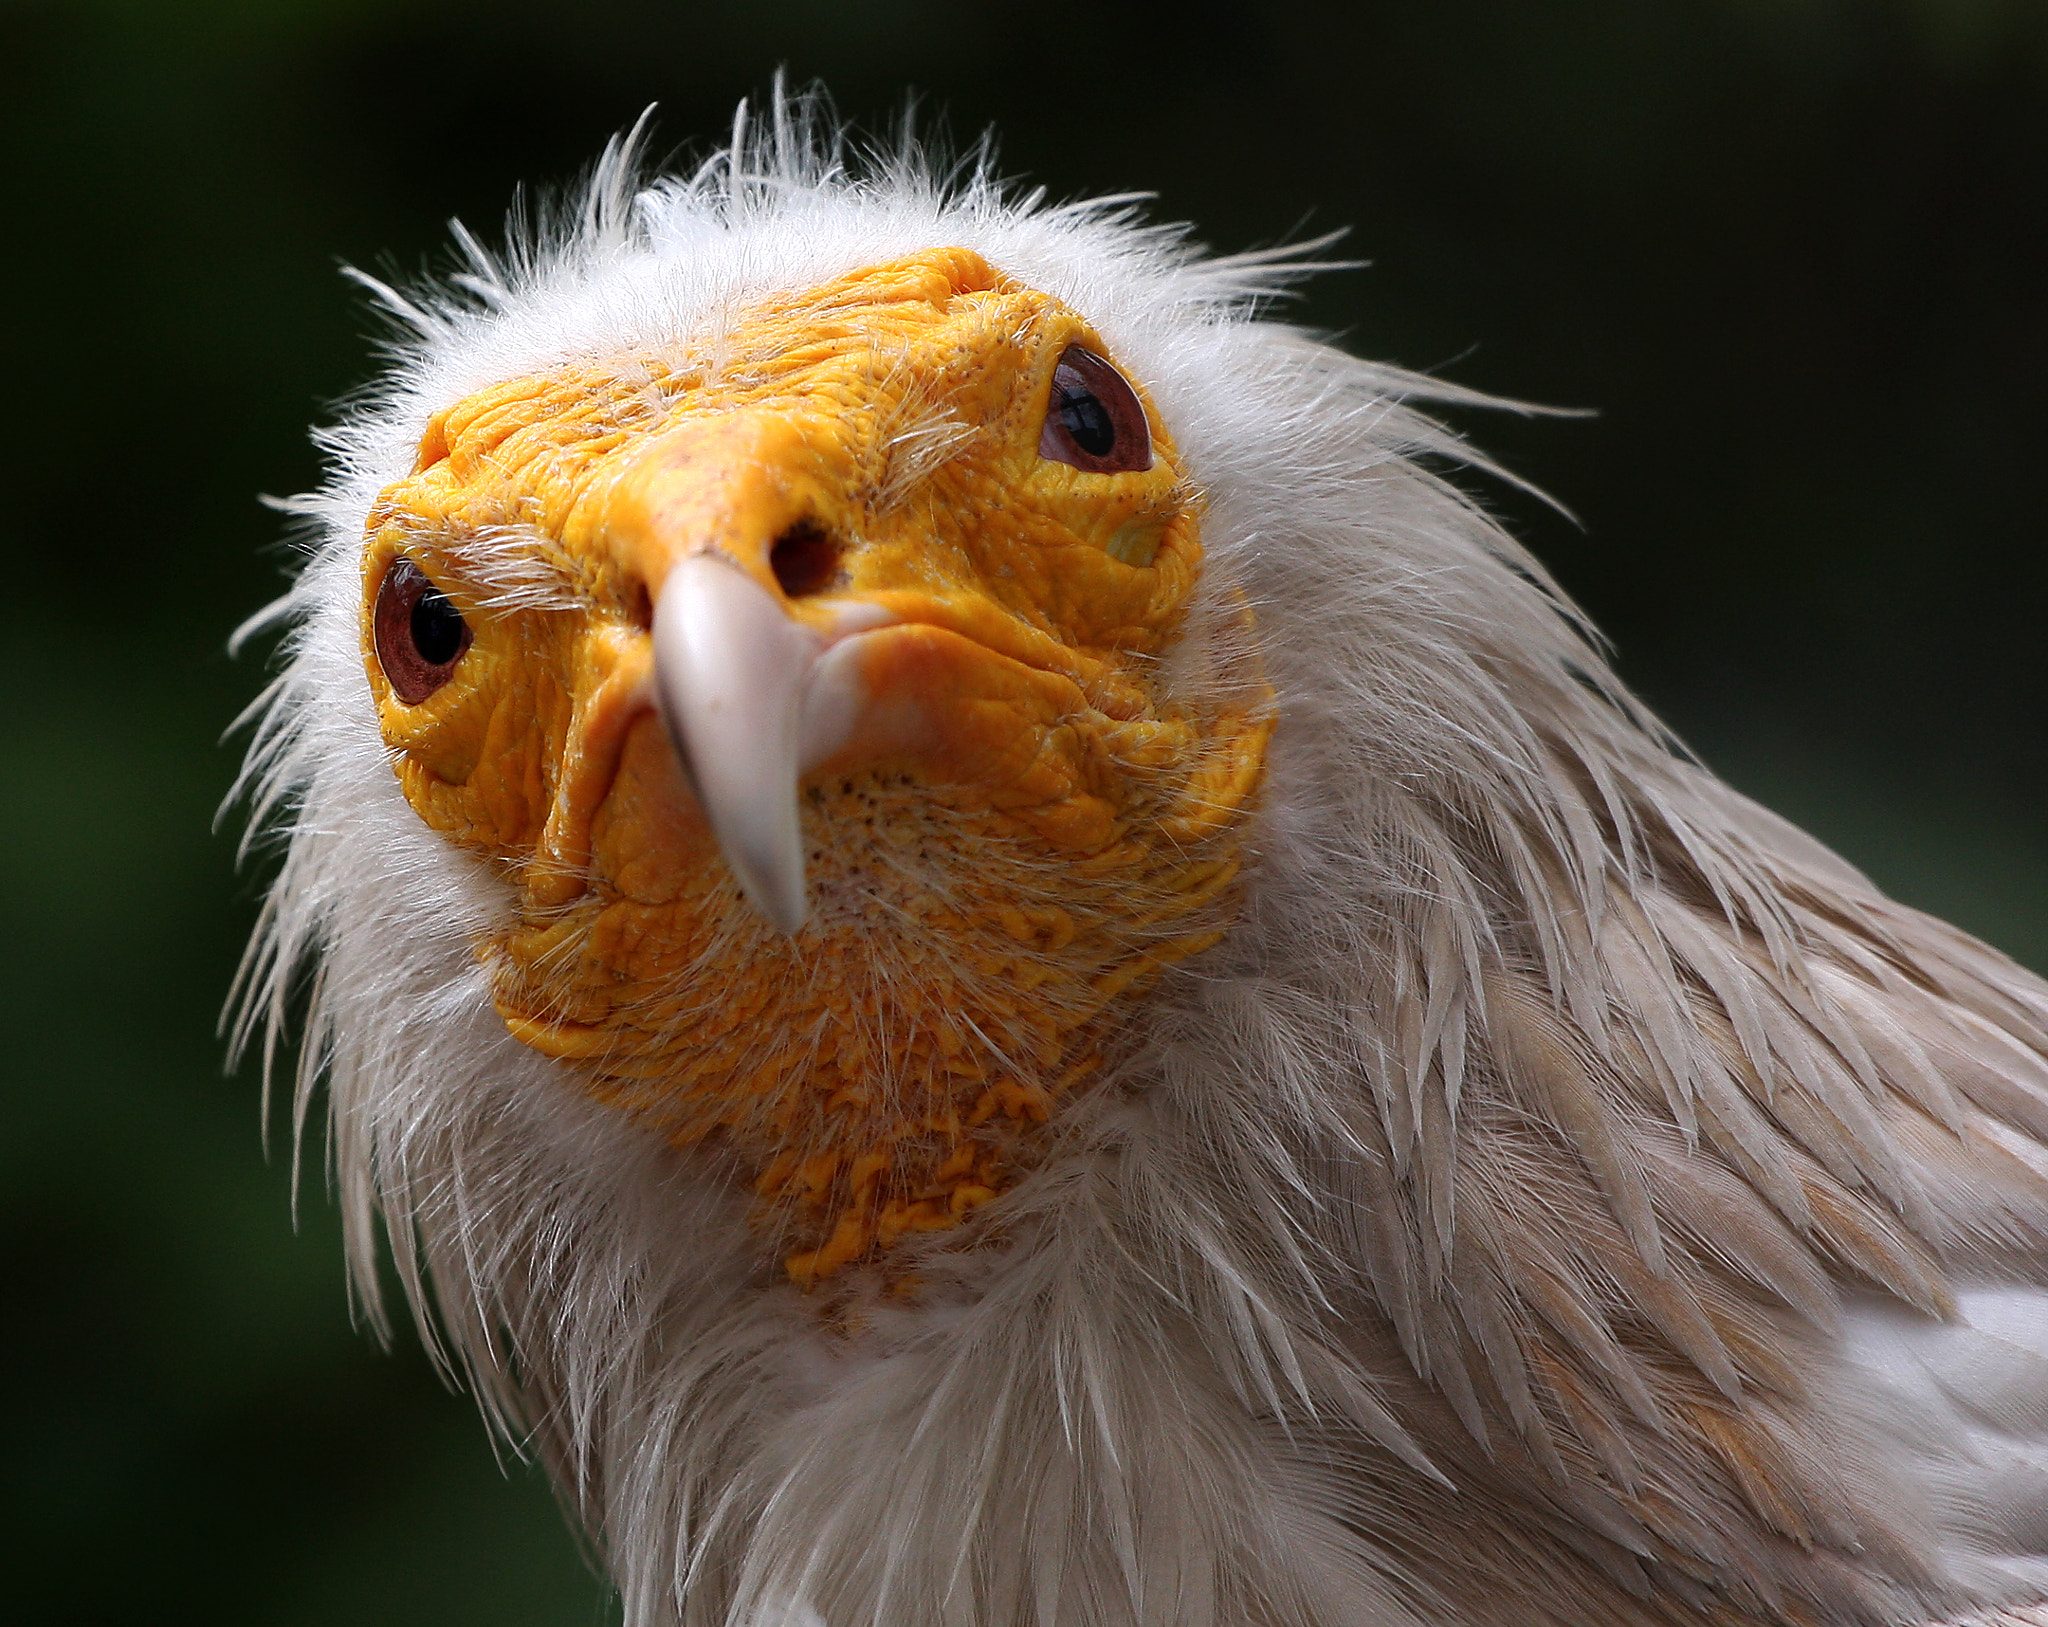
[1792,251]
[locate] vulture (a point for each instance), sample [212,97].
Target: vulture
[986,957]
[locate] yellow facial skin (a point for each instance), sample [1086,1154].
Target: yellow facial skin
[1018,834]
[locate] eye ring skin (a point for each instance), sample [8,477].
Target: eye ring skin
[420,636]
[1093,419]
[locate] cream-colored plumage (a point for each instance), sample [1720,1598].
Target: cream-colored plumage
[1565,1194]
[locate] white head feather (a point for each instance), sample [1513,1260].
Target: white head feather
[1466,1238]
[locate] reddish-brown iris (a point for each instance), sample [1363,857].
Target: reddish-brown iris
[420,634]
[1093,420]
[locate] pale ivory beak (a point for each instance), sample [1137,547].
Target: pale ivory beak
[753,700]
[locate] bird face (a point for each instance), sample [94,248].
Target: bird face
[819,688]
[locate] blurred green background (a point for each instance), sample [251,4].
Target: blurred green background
[1794,252]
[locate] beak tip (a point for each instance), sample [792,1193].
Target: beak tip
[787,909]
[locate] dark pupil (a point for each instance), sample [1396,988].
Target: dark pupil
[436,629]
[1088,421]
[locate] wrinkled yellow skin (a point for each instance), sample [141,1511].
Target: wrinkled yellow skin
[1021,834]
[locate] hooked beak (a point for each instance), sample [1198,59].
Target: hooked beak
[762,680]
[756,687]
[753,701]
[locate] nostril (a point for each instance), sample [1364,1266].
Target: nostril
[804,559]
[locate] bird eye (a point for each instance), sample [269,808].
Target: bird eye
[1093,420]
[420,635]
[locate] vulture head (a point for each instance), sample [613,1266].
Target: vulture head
[991,960]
